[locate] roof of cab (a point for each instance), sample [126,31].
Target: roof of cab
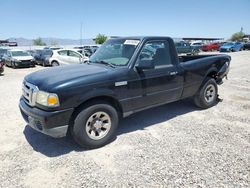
[143,37]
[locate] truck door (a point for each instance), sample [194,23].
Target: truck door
[163,82]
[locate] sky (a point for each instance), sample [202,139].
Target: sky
[176,18]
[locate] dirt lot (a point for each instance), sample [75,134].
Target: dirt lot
[172,145]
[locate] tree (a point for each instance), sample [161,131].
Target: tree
[39,42]
[100,38]
[237,36]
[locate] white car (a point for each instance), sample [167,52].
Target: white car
[198,45]
[65,57]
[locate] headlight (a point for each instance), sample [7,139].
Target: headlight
[47,99]
[16,60]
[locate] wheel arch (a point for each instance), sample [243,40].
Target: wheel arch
[95,99]
[212,72]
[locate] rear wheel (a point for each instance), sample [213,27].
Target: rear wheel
[54,64]
[207,95]
[95,125]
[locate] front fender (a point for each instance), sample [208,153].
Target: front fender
[102,92]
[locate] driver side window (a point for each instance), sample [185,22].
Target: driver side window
[156,53]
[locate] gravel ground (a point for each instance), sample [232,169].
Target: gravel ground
[175,145]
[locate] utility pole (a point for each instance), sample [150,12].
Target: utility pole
[241,29]
[81,34]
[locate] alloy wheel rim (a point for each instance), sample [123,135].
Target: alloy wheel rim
[210,93]
[98,125]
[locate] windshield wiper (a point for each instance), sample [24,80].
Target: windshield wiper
[106,63]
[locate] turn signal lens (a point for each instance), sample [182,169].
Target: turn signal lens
[47,99]
[53,100]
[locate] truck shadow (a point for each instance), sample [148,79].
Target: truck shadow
[52,147]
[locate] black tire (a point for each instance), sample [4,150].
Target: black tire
[195,52]
[54,64]
[13,65]
[202,98]
[82,122]
[44,64]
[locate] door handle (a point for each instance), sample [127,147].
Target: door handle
[173,73]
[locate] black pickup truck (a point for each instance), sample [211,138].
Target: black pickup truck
[124,76]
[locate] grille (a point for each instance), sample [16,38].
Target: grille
[29,93]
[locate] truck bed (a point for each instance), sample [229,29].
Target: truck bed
[202,62]
[186,58]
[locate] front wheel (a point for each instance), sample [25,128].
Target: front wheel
[195,52]
[95,125]
[13,65]
[207,95]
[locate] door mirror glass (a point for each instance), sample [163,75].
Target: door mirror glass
[144,65]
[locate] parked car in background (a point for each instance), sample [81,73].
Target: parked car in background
[89,52]
[211,47]
[83,51]
[18,58]
[52,48]
[3,51]
[197,45]
[88,49]
[91,48]
[32,52]
[1,65]
[231,47]
[37,53]
[42,56]
[65,57]
[246,46]
[185,48]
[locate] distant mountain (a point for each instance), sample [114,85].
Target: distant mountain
[51,41]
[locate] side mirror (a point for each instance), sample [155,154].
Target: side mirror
[144,65]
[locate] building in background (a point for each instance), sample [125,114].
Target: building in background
[7,43]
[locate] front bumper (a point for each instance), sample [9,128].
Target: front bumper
[24,63]
[53,123]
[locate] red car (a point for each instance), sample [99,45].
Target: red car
[211,47]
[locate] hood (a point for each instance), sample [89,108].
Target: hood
[56,77]
[227,46]
[22,58]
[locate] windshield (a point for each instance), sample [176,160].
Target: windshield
[229,44]
[117,52]
[47,52]
[20,53]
